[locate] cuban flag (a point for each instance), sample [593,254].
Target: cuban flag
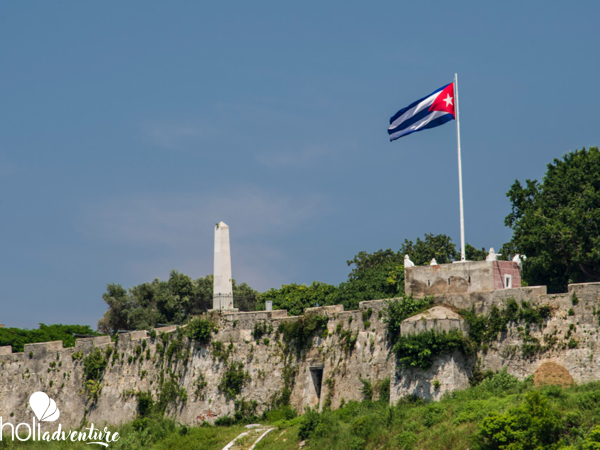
[432,111]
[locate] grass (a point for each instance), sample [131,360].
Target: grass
[458,422]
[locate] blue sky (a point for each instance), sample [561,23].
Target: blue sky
[128,129]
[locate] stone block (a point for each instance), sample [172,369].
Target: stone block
[438,318]
[460,277]
[6,350]
[450,371]
[101,340]
[43,347]
[167,329]
[137,335]
[279,313]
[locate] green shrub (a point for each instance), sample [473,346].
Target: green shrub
[396,310]
[93,388]
[261,328]
[233,380]
[406,440]
[200,330]
[94,365]
[419,350]
[383,389]
[499,382]
[145,403]
[220,351]
[433,414]
[245,411]
[531,346]
[367,389]
[299,333]
[532,425]
[310,420]
[170,393]
[592,441]
[348,340]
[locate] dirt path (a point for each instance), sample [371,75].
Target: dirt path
[248,439]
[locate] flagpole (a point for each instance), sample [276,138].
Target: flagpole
[460,188]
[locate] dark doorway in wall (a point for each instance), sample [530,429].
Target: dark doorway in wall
[316,373]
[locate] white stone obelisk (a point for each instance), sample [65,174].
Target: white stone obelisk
[222,289]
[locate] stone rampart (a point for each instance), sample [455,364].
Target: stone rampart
[354,347]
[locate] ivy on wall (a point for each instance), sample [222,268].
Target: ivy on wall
[420,350]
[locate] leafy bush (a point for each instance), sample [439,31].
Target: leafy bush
[383,389]
[396,310]
[300,332]
[310,420]
[200,330]
[261,328]
[348,340]
[367,389]
[499,382]
[170,393]
[533,425]
[419,350]
[145,403]
[94,365]
[233,381]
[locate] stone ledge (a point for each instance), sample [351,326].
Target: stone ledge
[438,319]
[43,347]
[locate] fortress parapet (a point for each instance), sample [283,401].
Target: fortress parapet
[462,277]
[438,318]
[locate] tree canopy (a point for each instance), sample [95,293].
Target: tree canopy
[164,302]
[373,276]
[18,337]
[556,223]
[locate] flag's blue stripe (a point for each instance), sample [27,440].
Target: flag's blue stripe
[412,105]
[434,123]
[410,121]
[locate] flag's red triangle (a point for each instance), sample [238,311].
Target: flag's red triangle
[444,101]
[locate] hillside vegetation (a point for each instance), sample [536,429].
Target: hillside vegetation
[499,413]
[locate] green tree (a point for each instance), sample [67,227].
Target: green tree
[472,254]
[556,223]
[18,337]
[437,246]
[296,297]
[533,425]
[165,302]
[373,276]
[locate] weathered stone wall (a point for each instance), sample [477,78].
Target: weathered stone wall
[569,338]
[460,277]
[137,363]
[580,359]
[136,366]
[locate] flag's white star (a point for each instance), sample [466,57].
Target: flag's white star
[448,100]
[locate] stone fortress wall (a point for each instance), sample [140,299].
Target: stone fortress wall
[326,374]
